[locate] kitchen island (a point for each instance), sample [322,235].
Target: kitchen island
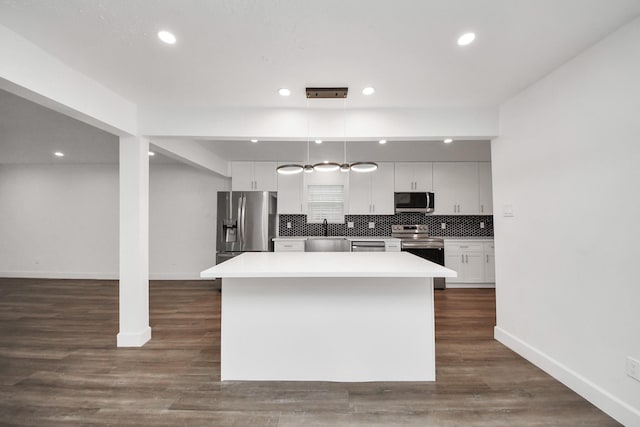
[327,316]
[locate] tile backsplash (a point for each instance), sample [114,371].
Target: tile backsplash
[456,225]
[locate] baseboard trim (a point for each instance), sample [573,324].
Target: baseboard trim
[134,339]
[175,276]
[471,285]
[58,275]
[93,276]
[605,401]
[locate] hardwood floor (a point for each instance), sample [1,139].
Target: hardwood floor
[59,366]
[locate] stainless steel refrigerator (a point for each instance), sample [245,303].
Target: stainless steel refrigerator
[246,222]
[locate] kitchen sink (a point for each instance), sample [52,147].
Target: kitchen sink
[326,244]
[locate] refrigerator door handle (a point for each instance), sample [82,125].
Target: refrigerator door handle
[243,221]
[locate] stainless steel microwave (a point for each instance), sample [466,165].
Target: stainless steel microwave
[414,202]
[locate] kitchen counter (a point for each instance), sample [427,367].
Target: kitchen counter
[327,316]
[327,264]
[469,238]
[350,238]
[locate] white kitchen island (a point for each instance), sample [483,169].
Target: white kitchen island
[327,316]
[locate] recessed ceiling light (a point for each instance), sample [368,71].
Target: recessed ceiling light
[466,39]
[368,90]
[448,140]
[318,141]
[58,154]
[284,92]
[151,153]
[167,37]
[383,141]
[254,140]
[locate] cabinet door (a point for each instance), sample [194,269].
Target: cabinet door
[474,267]
[264,176]
[423,176]
[490,262]
[404,179]
[455,262]
[485,188]
[382,189]
[242,176]
[490,267]
[289,193]
[455,186]
[360,193]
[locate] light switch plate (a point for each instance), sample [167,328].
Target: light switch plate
[443,225]
[350,224]
[372,225]
[481,224]
[288,225]
[507,210]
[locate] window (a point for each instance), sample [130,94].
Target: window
[325,201]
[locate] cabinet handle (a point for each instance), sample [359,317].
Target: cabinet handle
[462,258]
[487,258]
[482,208]
[466,259]
[374,208]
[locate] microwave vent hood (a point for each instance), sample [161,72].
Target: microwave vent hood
[414,202]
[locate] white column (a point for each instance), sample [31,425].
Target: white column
[134,242]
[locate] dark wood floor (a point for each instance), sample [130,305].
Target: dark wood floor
[59,366]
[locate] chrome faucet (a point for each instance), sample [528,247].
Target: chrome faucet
[325,227]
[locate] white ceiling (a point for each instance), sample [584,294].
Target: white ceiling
[30,134]
[239,52]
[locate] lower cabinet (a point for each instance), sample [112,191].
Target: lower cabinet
[474,260]
[289,245]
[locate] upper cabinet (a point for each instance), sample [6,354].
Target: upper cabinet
[413,176]
[455,186]
[372,192]
[485,188]
[253,176]
[290,192]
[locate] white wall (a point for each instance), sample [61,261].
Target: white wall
[182,223]
[62,221]
[59,221]
[568,161]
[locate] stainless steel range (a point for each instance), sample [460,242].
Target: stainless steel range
[415,239]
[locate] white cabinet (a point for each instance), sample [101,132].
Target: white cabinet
[289,245]
[290,192]
[413,176]
[485,188]
[474,261]
[490,262]
[455,185]
[372,192]
[253,176]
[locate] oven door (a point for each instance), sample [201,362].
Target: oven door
[430,254]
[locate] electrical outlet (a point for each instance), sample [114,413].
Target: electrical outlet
[288,225]
[443,225]
[372,225]
[350,224]
[481,224]
[633,368]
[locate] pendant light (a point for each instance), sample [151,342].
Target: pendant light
[308,168]
[289,169]
[344,167]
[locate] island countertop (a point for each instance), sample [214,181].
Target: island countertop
[327,264]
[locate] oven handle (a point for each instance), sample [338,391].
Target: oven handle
[418,245]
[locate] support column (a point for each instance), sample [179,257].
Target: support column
[134,242]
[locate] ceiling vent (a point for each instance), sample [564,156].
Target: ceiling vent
[327,92]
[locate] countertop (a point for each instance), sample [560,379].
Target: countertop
[384,238]
[327,264]
[350,238]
